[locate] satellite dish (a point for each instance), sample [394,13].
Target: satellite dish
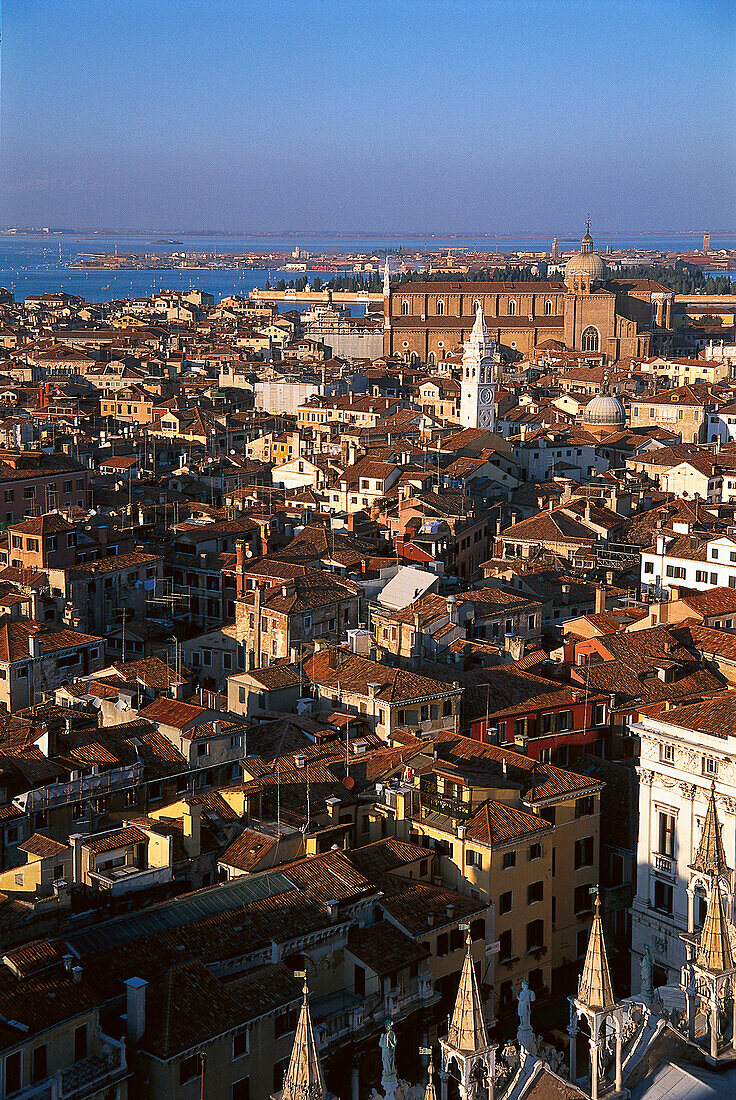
[348,782]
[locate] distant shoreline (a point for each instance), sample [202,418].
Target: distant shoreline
[169,267]
[572,235]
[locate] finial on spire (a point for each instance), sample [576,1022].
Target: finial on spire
[587,225]
[429,1093]
[304,1079]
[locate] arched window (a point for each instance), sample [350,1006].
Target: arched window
[405,308]
[440,307]
[430,359]
[512,308]
[590,340]
[548,306]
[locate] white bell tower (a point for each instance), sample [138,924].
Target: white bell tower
[478,390]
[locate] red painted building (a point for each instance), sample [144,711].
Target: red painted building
[557,727]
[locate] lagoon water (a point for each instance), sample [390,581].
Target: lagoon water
[38,264]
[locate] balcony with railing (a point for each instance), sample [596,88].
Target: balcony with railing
[434,802]
[85,1078]
[664,865]
[128,877]
[442,804]
[345,1014]
[80,788]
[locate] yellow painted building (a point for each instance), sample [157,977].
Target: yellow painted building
[519,835]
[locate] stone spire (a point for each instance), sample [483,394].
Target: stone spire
[595,990]
[480,331]
[714,953]
[467,1030]
[710,858]
[304,1079]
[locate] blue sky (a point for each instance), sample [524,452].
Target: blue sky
[387,116]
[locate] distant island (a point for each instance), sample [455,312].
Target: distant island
[166,240]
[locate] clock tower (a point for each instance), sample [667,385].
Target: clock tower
[478,389]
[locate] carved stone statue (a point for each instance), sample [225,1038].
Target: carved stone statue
[556,1061]
[525,998]
[646,968]
[510,1056]
[387,1043]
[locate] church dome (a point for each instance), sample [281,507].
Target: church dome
[584,267]
[605,411]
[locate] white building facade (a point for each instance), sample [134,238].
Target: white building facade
[688,563]
[677,767]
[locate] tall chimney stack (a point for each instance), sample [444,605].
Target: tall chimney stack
[600,599]
[136,1008]
[239,568]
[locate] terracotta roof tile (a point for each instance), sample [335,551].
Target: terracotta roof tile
[537,782]
[333,666]
[119,839]
[384,948]
[43,846]
[497,823]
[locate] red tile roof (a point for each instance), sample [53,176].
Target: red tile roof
[119,839]
[174,712]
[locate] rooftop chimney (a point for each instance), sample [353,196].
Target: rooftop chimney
[136,1008]
[600,599]
[192,823]
[239,567]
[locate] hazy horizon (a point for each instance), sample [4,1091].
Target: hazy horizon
[396,118]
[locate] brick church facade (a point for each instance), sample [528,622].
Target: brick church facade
[427,322]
